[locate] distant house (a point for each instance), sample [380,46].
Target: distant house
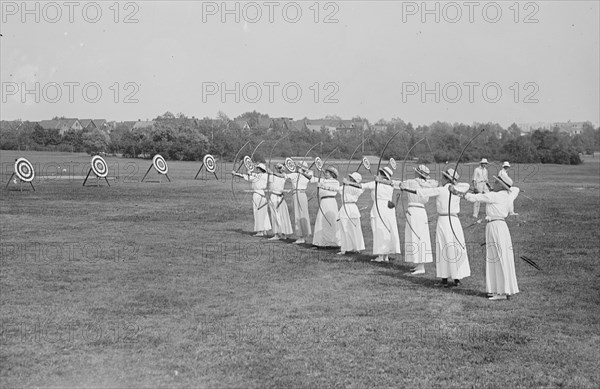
[336,125]
[62,125]
[102,124]
[244,124]
[263,123]
[143,124]
[87,124]
[379,127]
[570,128]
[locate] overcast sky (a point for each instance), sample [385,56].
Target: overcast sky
[180,56]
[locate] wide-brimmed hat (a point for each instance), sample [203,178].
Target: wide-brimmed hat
[332,170]
[506,182]
[387,171]
[506,164]
[451,175]
[356,177]
[422,170]
[483,160]
[262,167]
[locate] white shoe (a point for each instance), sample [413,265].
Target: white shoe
[300,241]
[259,234]
[341,253]
[497,297]
[378,259]
[274,238]
[417,272]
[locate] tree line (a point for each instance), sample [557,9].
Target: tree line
[189,139]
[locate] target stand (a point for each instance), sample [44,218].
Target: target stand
[160,165]
[24,172]
[209,163]
[99,168]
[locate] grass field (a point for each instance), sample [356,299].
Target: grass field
[162,285]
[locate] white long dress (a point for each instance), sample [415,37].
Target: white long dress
[259,200]
[451,254]
[351,231]
[417,242]
[280,216]
[299,182]
[500,272]
[327,227]
[385,229]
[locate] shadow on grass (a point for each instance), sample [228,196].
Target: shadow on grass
[242,232]
[431,283]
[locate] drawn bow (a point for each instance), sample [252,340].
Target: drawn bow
[453,178]
[303,160]
[377,172]
[234,161]
[344,186]
[319,181]
[402,180]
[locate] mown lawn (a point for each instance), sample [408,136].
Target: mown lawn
[162,285]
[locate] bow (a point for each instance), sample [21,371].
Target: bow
[303,160]
[319,181]
[273,149]
[271,155]
[280,139]
[378,166]
[234,159]
[453,178]
[402,180]
[344,186]
[256,148]
[252,155]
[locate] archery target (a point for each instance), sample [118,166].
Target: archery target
[24,170]
[290,165]
[99,166]
[366,163]
[209,163]
[393,164]
[160,164]
[248,164]
[318,163]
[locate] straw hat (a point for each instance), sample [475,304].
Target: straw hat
[356,177]
[388,172]
[451,175]
[506,182]
[423,171]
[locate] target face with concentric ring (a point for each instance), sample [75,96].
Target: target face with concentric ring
[248,164]
[318,163]
[24,170]
[290,165]
[160,164]
[209,163]
[99,166]
[393,163]
[366,163]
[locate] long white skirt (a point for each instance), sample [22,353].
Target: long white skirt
[280,216]
[301,216]
[385,241]
[451,258]
[261,213]
[500,273]
[417,250]
[327,232]
[351,230]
